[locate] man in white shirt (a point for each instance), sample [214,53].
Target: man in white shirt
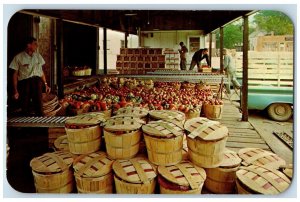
[230,69]
[29,78]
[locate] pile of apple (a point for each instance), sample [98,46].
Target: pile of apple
[112,96]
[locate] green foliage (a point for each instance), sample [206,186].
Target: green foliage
[233,35]
[268,21]
[273,21]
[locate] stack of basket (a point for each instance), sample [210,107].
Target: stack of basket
[52,172]
[122,136]
[134,176]
[206,141]
[260,173]
[50,104]
[221,180]
[84,132]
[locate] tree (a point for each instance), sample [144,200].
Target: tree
[273,21]
[233,35]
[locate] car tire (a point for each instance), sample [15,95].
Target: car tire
[280,111]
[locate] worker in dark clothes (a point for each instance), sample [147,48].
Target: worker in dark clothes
[198,56]
[29,78]
[183,52]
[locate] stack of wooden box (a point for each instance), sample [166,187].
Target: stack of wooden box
[140,60]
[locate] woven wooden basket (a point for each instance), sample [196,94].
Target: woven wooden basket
[93,173]
[86,138]
[261,180]
[187,85]
[52,173]
[173,116]
[260,157]
[184,174]
[134,176]
[164,142]
[221,180]
[193,113]
[61,143]
[122,136]
[206,141]
[213,111]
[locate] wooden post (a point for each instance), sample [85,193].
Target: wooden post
[221,50]
[97,47]
[210,46]
[126,40]
[245,71]
[60,57]
[105,50]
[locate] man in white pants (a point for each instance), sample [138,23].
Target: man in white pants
[229,67]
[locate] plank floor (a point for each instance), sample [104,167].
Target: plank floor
[241,134]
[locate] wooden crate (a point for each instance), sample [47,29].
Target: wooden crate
[148,65]
[161,65]
[147,58]
[154,58]
[133,58]
[137,51]
[161,58]
[123,51]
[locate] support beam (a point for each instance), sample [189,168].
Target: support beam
[97,52]
[210,46]
[126,39]
[221,50]
[60,57]
[245,70]
[105,50]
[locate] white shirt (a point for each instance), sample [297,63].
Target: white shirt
[28,66]
[229,63]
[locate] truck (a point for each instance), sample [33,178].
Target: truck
[277,101]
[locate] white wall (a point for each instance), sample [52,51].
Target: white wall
[170,39]
[114,39]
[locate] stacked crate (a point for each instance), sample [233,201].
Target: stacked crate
[140,60]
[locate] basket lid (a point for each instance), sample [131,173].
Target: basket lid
[260,157]
[184,173]
[92,165]
[170,115]
[205,129]
[123,123]
[163,129]
[230,159]
[136,111]
[135,170]
[263,180]
[61,143]
[52,162]
[92,118]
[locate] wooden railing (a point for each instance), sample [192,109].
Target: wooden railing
[267,68]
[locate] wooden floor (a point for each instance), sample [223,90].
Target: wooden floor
[241,134]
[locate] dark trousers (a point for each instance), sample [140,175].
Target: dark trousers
[30,91]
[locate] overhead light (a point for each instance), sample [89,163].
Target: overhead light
[130,14]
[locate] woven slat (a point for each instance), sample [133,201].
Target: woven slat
[262,180]
[136,170]
[184,173]
[205,129]
[260,157]
[136,111]
[230,159]
[52,162]
[92,165]
[162,129]
[123,123]
[92,118]
[174,116]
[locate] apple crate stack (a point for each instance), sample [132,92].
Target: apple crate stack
[140,60]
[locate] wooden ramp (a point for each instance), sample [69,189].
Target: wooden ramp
[241,134]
